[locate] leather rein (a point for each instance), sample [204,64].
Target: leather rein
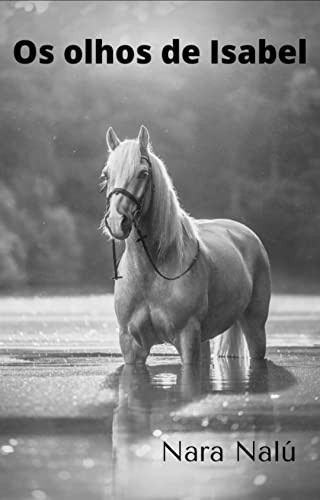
[141,239]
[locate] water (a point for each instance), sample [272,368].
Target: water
[75,423]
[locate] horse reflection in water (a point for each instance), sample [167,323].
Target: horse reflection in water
[149,397]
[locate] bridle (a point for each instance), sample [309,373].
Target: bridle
[139,207]
[139,203]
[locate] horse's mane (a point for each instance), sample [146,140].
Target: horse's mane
[171,225]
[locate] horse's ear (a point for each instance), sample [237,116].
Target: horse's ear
[112,139]
[143,139]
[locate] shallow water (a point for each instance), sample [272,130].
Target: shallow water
[75,423]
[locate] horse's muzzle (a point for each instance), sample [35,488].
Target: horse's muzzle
[119,227]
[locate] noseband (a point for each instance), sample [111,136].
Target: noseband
[139,203]
[139,206]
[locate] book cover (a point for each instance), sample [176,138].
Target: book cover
[159,250]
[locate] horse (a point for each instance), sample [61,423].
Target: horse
[183,281]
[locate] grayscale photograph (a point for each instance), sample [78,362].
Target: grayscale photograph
[159,250]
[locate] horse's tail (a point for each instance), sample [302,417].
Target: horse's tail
[231,344]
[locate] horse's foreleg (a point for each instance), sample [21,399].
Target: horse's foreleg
[188,343]
[132,351]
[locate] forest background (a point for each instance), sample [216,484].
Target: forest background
[239,141]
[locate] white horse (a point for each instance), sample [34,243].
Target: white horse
[184,281]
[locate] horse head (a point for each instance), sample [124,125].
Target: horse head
[127,181]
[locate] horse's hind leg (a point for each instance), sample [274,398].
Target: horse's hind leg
[255,316]
[254,330]
[205,350]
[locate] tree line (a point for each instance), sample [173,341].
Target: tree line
[239,142]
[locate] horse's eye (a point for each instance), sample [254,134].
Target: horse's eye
[143,174]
